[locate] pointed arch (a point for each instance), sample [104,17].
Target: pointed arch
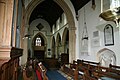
[53,46]
[31,6]
[65,40]
[58,45]
[70,19]
[42,36]
[39,51]
[106,57]
[58,39]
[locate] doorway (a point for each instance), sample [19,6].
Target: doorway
[39,54]
[39,47]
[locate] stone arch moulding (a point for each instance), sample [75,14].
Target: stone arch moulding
[64,36]
[39,33]
[70,19]
[58,45]
[44,38]
[106,56]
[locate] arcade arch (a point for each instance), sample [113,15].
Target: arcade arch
[70,20]
[39,44]
[58,45]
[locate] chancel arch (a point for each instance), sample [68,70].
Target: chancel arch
[106,57]
[39,46]
[70,19]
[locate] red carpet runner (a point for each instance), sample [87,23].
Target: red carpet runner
[38,75]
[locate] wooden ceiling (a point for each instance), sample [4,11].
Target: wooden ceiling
[50,11]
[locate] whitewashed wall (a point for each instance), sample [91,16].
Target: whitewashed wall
[61,26]
[95,23]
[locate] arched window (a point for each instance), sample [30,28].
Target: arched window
[108,35]
[38,41]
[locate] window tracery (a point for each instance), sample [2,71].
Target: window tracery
[38,41]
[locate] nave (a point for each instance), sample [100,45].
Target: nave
[35,70]
[47,29]
[78,70]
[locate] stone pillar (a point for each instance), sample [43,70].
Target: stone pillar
[62,48]
[2,19]
[25,47]
[72,44]
[56,51]
[6,13]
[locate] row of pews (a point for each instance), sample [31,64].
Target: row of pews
[34,70]
[87,70]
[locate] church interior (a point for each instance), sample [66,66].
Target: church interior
[59,40]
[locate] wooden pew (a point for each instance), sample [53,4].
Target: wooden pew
[107,72]
[100,71]
[87,64]
[83,63]
[80,68]
[71,70]
[25,77]
[43,71]
[85,67]
[86,73]
[94,70]
[114,67]
[37,70]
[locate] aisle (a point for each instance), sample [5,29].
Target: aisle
[55,75]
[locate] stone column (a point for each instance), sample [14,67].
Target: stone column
[6,13]
[62,48]
[2,19]
[25,47]
[72,44]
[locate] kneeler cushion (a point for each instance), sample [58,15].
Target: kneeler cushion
[38,75]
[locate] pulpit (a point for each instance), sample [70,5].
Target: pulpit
[9,67]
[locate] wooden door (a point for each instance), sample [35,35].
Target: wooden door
[64,58]
[39,54]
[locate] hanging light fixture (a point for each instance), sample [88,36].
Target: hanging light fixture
[85,33]
[84,42]
[27,36]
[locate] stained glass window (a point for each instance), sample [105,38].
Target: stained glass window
[38,41]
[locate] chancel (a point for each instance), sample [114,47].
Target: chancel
[60,40]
